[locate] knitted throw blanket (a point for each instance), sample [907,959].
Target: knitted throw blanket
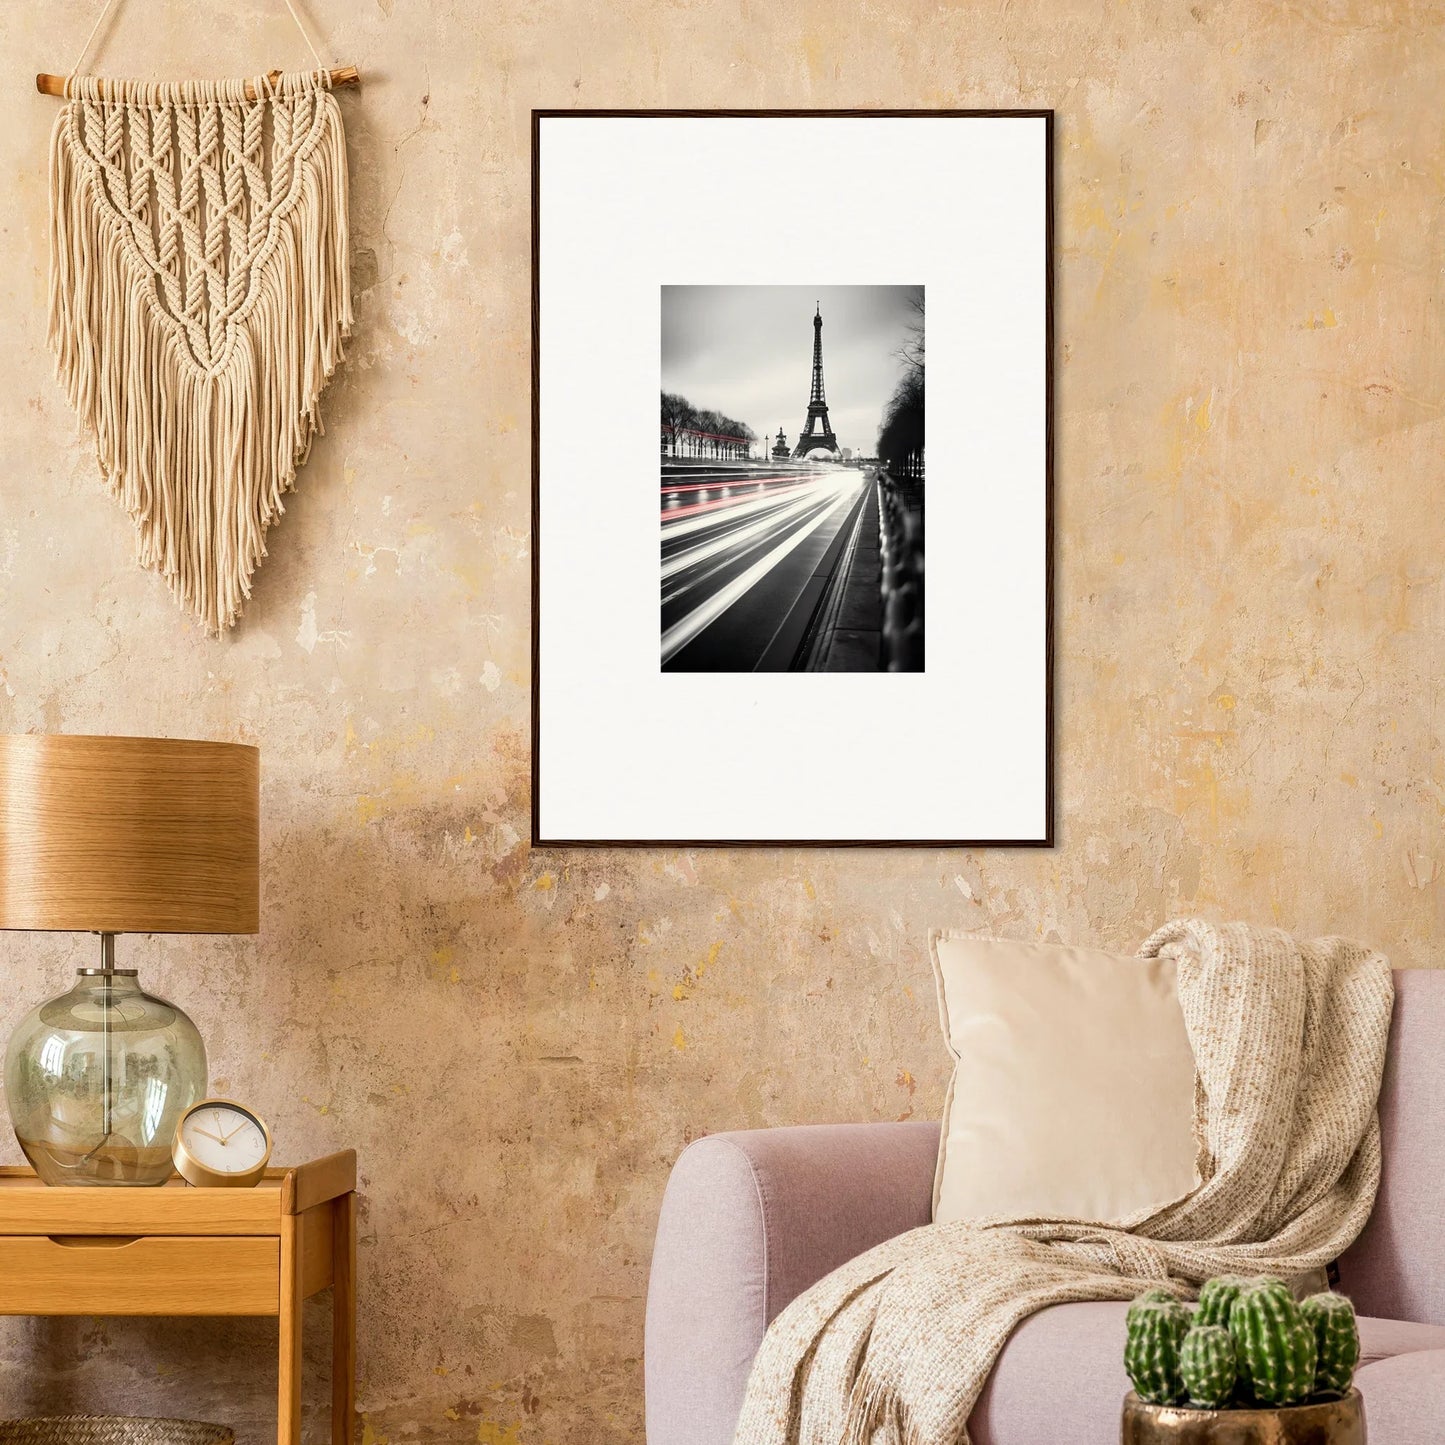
[1289,1043]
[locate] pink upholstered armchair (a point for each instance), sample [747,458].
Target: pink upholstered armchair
[750,1220]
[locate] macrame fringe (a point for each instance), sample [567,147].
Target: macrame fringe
[200,456]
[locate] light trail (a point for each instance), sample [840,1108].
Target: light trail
[825,499]
[727,554]
[699,516]
[727,478]
[736,536]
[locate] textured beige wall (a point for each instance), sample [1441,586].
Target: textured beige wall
[1249,631]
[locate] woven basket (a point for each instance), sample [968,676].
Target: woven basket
[112,1430]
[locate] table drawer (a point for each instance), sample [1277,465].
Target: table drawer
[150,1275]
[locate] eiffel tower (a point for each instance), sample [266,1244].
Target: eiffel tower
[810,440]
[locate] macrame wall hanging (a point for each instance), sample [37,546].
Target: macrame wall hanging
[200,293]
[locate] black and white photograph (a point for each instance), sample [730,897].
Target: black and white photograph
[844,399]
[792,478]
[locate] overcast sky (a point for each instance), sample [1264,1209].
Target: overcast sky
[747,351]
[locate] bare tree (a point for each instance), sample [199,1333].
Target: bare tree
[703,432]
[677,416]
[709,423]
[900,439]
[911,352]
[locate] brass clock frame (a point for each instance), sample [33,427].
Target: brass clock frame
[202,1176]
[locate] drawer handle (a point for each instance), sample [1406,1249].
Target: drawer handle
[93,1241]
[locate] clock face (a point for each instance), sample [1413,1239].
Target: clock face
[224,1138]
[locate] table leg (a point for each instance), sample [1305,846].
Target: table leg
[288,1392]
[343,1321]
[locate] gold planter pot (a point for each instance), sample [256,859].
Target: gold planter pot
[1330,1422]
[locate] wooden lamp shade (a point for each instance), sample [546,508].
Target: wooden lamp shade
[129,835]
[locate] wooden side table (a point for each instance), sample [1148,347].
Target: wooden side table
[182,1251]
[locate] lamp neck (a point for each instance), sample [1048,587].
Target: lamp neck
[108,977]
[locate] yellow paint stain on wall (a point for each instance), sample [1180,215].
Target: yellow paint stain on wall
[685,986]
[679,1039]
[443,965]
[404,788]
[546,883]
[1186,421]
[472,580]
[489,1433]
[816,50]
[1196,788]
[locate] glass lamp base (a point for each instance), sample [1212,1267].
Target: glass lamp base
[116,1162]
[97,1080]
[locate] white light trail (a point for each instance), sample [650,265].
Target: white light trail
[739,535]
[686,525]
[683,631]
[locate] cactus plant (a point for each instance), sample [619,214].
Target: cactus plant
[1154,1296]
[1274,1345]
[1217,1298]
[1207,1366]
[1248,1344]
[1156,1328]
[1337,1340]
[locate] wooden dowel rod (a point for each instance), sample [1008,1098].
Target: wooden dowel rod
[345,75]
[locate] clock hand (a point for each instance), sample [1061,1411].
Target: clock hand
[208,1134]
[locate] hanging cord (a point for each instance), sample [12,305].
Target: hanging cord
[106,8]
[90,40]
[315,54]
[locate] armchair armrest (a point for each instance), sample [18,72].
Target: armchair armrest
[748,1222]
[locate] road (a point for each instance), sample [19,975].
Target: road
[740,550]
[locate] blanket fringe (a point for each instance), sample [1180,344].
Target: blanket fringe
[877,1415]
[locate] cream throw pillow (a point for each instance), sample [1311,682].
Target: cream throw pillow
[1073,1092]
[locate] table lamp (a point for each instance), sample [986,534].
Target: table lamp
[113,835]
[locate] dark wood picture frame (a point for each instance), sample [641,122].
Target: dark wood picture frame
[1048,838]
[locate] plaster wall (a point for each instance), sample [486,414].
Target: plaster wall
[1249,632]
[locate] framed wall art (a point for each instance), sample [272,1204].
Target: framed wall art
[791,478]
